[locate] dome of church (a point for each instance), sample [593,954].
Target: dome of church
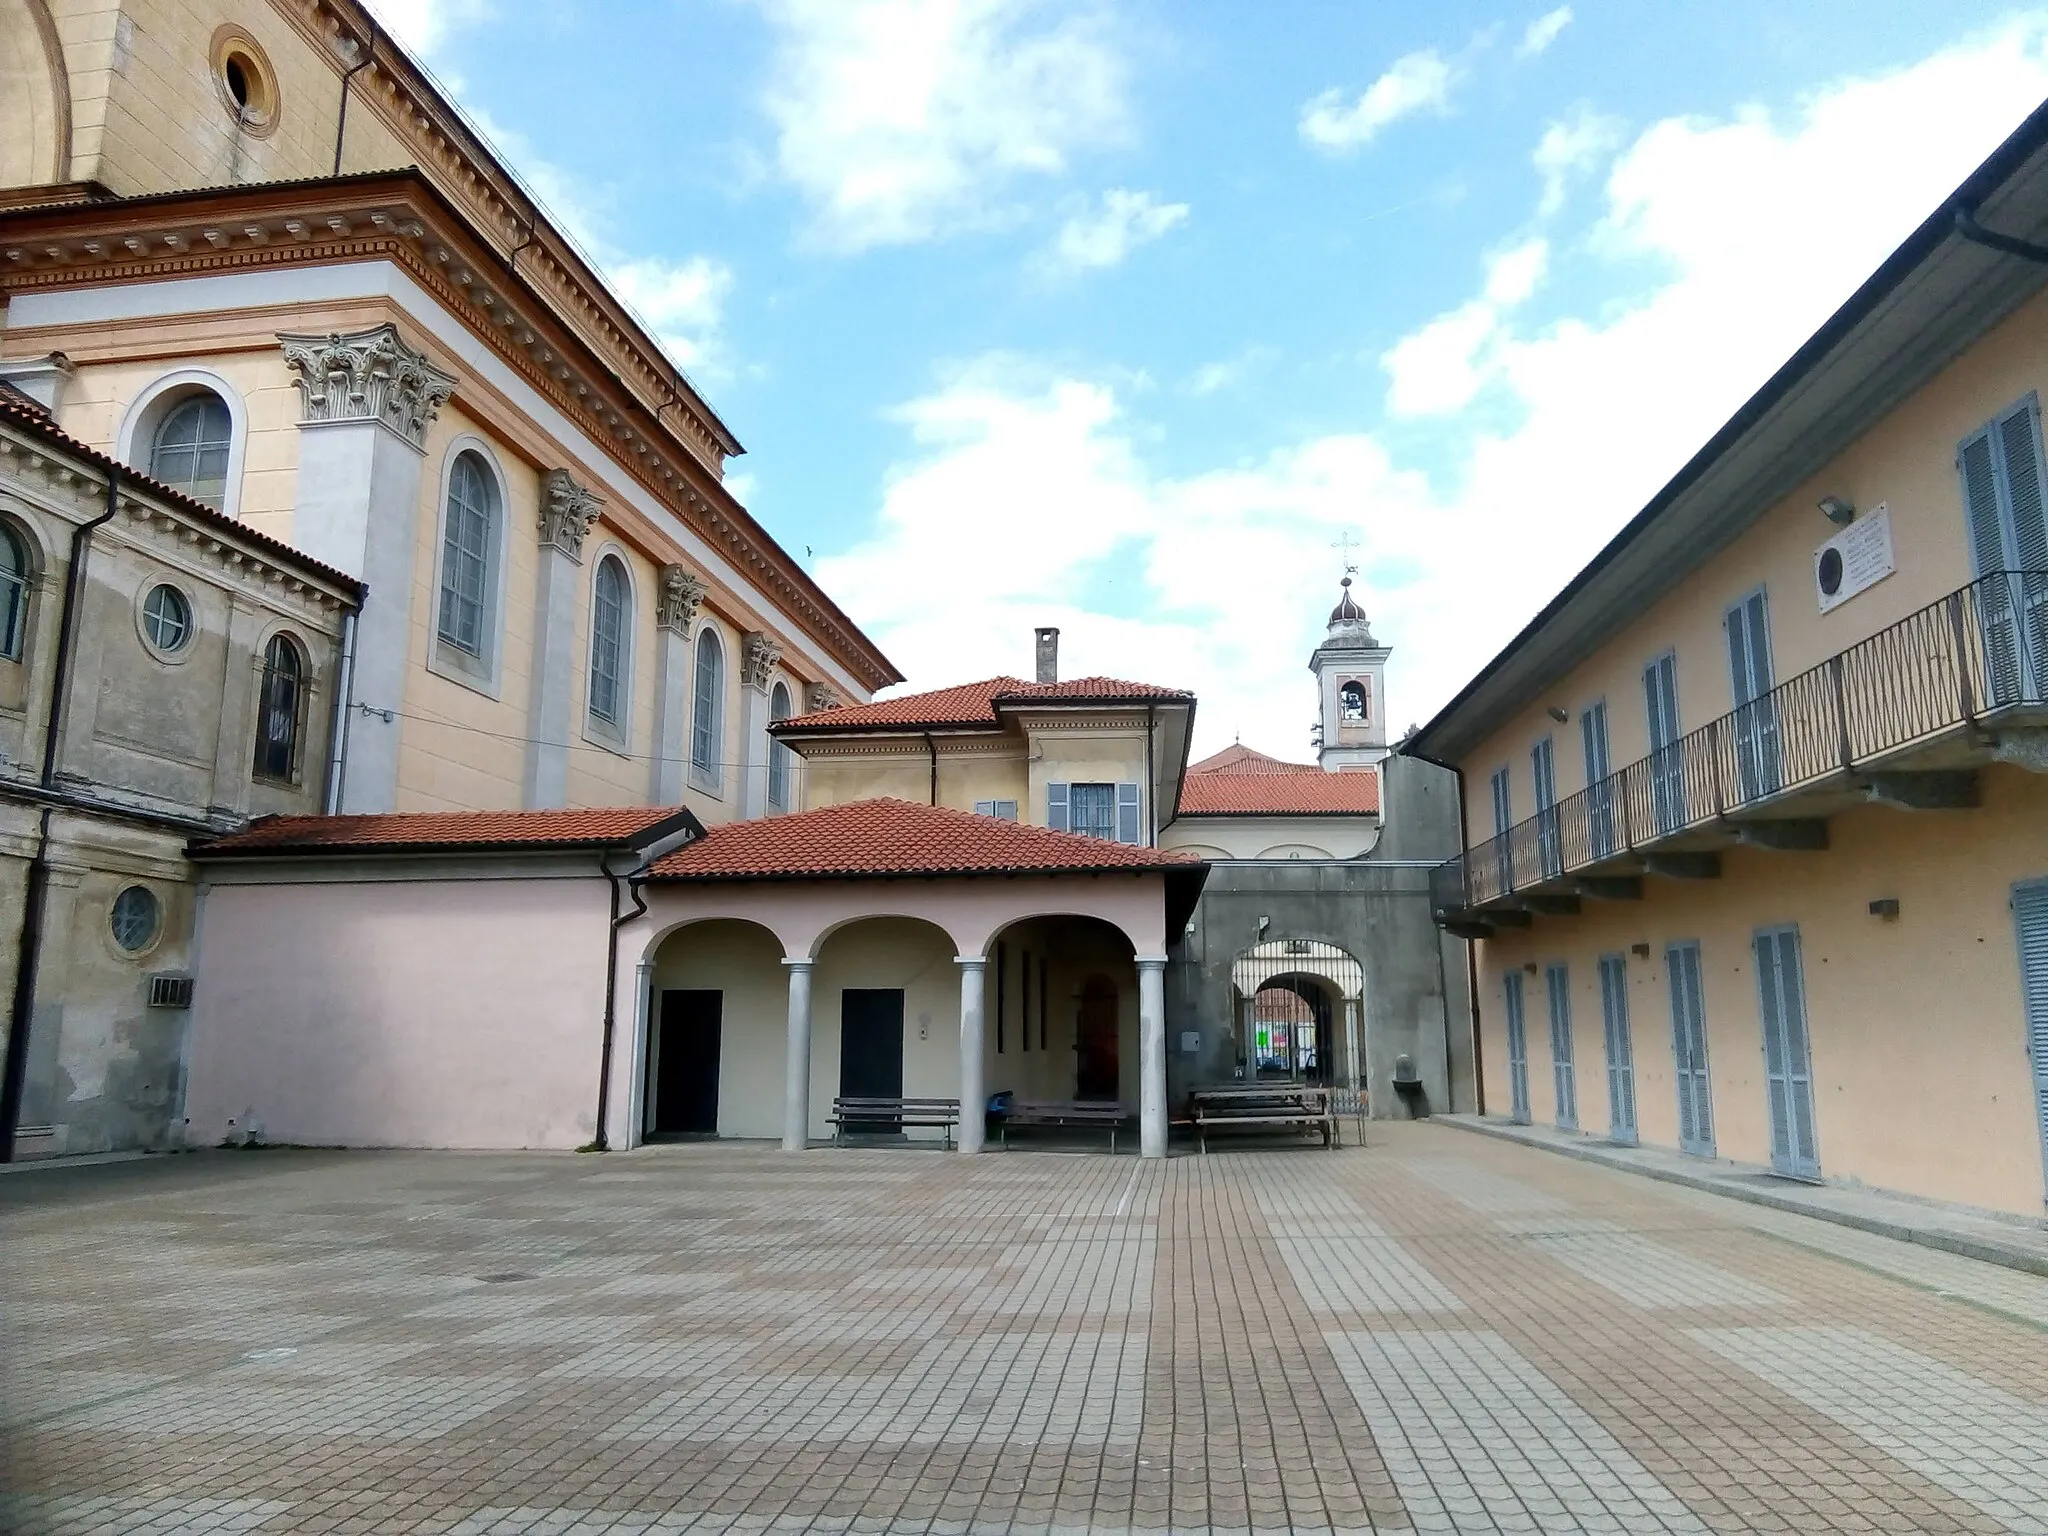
[1346,611]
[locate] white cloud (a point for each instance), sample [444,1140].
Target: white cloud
[1440,368]
[905,120]
[1027,499]
[683,301]
[1543,31]
[1103,233]
[1417,82]
[1570,146]
[421,26]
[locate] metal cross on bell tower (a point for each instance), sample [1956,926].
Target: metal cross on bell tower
[1344,546]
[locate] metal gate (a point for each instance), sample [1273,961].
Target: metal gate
[1689,1050]
[1518,1051]
[1563,1073]
[1788,1063]
[1621,1056]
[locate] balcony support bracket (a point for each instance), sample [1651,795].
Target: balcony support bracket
[1507,917]
[2026,749]
[1684,866]
[1793,835]
[1943,789]
[1466,928]
[1610,887]
[1549,905]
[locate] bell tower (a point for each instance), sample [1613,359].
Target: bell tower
[1351,674]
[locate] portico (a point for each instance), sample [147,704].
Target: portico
[889,948]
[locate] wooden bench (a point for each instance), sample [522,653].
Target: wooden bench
[888,1116]
[1100,1114]
[1274,1104]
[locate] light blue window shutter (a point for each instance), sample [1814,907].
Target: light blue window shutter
[984,807]
[2019,449]
[2030,912]
[1980,500]
[1056,807]
[1005,810]
[1127,828]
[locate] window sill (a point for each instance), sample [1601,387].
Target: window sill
[458,666]
[705,784]
[603,736]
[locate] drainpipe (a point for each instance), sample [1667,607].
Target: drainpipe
[933,748]
[14,1076]
[344,707]
[601,1142]
[1471,954]
[341,119]
[1968,227]
[1151,793]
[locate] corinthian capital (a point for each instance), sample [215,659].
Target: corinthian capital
[819,697]
[566,512]
[758,656]
[367,376]
[681,596]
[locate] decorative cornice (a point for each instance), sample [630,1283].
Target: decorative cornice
[367,376]
[759,656]
[682,594]
[566,512]
[401,217]
[820,696]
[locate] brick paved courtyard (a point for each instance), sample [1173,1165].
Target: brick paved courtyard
[1437,1332]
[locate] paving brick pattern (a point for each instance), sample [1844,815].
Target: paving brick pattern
[1436,1332]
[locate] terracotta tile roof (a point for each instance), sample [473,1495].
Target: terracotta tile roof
[897,837]
[21,410]
[1295,792]
[1239,758]
[976,705]
[626,826]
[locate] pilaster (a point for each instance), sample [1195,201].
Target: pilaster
[567,511]
[759,657]
[682,594]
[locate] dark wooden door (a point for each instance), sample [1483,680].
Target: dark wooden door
[871,1043]
[1095,1069]
[686,1063]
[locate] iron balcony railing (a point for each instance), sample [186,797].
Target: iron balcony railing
[1980,651]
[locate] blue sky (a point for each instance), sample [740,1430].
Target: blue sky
[1117,314]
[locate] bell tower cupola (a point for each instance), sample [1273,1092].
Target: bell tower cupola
[1351,672]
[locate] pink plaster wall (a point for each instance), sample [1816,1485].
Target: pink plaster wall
[404,1014]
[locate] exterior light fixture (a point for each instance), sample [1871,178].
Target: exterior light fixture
[1836,510]
[1557,714]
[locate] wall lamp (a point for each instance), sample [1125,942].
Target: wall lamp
[1557,714]
[1836,510]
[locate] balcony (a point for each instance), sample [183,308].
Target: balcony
[1905,718]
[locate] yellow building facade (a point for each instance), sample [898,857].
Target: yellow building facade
[393,361]
[1755,817]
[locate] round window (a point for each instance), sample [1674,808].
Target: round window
[167,618]
[136,916]
[247,86]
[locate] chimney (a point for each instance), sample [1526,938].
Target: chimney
[1048,654]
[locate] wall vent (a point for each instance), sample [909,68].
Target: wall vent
[170,989]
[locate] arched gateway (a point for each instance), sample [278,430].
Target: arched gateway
[1299,1006]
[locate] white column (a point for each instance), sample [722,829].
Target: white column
[1152,1055]
[973,1096]
[796,1087]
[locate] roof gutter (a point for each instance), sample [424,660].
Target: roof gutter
[1968,227]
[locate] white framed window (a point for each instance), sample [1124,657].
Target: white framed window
[779,755]
[166,619]
[469,574]
[611,647]
[189,430]
[1112,812]
[707,712]
[1002,810]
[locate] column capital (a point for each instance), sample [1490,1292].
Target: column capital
[759,657]
[970,959]
[682,594]
[1150,962]
[369,375]
[799,964]
[567,511]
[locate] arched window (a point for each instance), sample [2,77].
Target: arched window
[469,536]
[189,451]
[1351,701]
[608,643]
[14,580]
[707,725]
[778,754]
[279,710]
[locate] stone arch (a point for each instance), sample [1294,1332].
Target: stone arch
[704,1068]
[1328,977]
